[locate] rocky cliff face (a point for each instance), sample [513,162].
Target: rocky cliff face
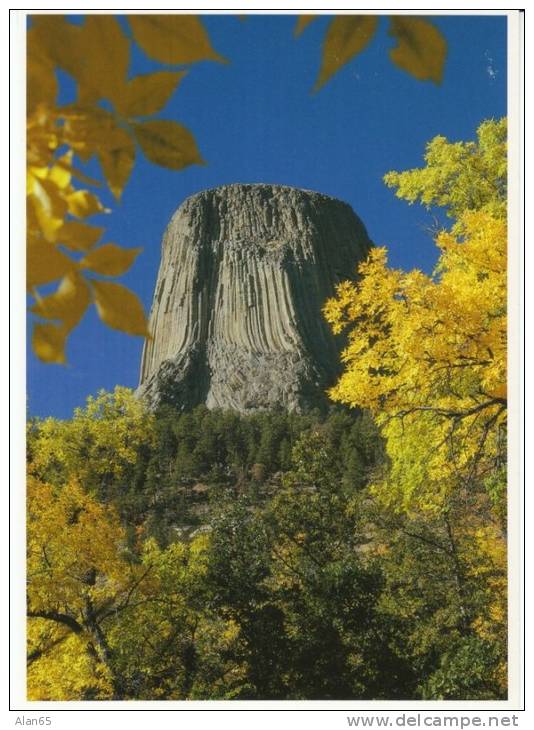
[236,317]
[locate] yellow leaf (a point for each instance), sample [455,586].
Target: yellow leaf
[92,129]
[119,308]
[303,22]
[48,343]
[41,82]
[107,53]
[167,144]
[96,53]
[82,203]
[60,176]
[62,43]
[500,391]
[173,39]
[50,197]
[148,93]
[68,303]
[38,218]
[117,166]
[78,236]
[422,49]
[347,35]
[117,162]
[110,260]
[45,263]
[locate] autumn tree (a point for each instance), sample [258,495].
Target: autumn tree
[427,354]
[79,575]
[100,446]
[106,622]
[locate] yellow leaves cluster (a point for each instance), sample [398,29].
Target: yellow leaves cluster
[460,176]
[421,50]
[103,439]
[96,54]
[70,534]
[427,354]
[67,670]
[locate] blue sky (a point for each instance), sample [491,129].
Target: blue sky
[255,120]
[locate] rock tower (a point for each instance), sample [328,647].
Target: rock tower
[236,317]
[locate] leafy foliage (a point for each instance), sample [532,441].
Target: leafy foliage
[96,55]
[421,50]
[166,561]
[427,354]
[99,447]
[460,176]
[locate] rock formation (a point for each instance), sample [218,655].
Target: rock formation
[236,317]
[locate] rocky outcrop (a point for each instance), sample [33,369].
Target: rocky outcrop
[236,317]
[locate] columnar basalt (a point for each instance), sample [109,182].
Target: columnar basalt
[236,318]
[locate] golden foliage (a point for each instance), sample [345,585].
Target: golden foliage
[110,259]
[347,35]
[176,39]
[96,55]
[77,573]
[147,94]
[421,49]
[166,142]
[101,441]
[427,354]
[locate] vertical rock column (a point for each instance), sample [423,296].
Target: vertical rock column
[236,317]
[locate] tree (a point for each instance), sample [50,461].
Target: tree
[105,622]
[328,590]
[445,587]
[79,575]
[295,585]
[427,354]
[99,447]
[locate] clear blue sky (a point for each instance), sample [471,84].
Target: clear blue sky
[255,120]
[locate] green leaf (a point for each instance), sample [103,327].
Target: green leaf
[110,259]
[147,94]
[421,50]
[119,308]
[174,39]
[167,143]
